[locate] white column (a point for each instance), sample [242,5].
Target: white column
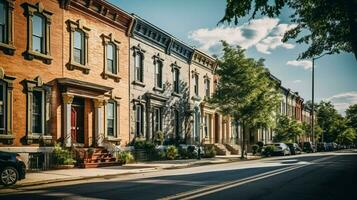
[99,134]
[67,101]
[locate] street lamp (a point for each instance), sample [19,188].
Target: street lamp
[313,95]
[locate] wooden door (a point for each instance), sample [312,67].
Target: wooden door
[77,122]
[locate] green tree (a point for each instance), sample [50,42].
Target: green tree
[331,24]
[351,116]
[287,130]
[245,91]
[329,121]
[347,136]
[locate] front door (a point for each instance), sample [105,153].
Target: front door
[77,121]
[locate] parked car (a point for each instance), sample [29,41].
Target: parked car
[321,146]
[294,148]
[280,149]
[331,146]
[308,147]
[12,168]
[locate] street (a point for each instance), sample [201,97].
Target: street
[330,175]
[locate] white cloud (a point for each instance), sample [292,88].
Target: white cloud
[343,100]
[306,64]
[265,34]
[296,81]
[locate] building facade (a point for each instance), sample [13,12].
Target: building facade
[64,75]
[159,83]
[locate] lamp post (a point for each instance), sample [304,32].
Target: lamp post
[313,96]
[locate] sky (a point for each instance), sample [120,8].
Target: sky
[196,23]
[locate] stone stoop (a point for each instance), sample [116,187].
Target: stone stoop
[233,148]
[100,158]
[221,149]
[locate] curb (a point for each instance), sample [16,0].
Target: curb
[145,170]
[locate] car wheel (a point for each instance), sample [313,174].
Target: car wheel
[9,176]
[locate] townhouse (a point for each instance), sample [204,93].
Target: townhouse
[64,75]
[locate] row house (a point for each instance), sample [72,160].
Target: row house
[64,71]
[159,83]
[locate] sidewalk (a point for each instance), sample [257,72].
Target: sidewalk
[52,176]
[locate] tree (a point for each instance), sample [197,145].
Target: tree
[329,121]
[331,24]
[287,130]
[347,136]
[351,116]
[244,90]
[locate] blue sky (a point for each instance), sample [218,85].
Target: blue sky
[195,22]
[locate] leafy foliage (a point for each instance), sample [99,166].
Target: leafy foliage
[255,148]
[210,152]
[287,130]
[62,156]
[351,116]
[268,150]
[171,153]
[125,157]
[245,90]
[331,25]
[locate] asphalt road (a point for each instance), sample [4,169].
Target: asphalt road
[309,176]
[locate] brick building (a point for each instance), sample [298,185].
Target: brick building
[64,75]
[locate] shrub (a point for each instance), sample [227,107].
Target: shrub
[269,150]
[210,152]
[192,152]
[183,153]
[160,154]
[159,138]
[255,148]
[125,157]
[62,156]
[171,153]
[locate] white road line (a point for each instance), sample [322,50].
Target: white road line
[226,185]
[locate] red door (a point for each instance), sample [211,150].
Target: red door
[74,124]
[77,121]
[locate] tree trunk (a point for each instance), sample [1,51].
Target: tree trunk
[243,141]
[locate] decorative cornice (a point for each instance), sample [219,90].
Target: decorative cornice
[102,10]
[149,32]
[182,50]
[204,60]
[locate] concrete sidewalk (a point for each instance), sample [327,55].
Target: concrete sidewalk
[52,176]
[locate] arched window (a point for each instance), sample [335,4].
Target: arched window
[139,67]
[111,58]
[78,47]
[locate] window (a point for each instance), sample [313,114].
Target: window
[157,120]
[39,24]
[139,123]
[3,21]
[177,123]
[111,119]
[6,26]
[111,58]
[38,34]
[37,112]
[208,88]
[2,106]
[79,35]
[176,80]
[207,125]
[196,84]
[139,68]
[78,48]
[158,74]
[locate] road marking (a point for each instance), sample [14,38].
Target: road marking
[230,184]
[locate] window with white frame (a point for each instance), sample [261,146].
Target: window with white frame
[139,66]
[111,119]
[111,58]
[78,47]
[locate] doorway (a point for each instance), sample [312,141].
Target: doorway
[77,121]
